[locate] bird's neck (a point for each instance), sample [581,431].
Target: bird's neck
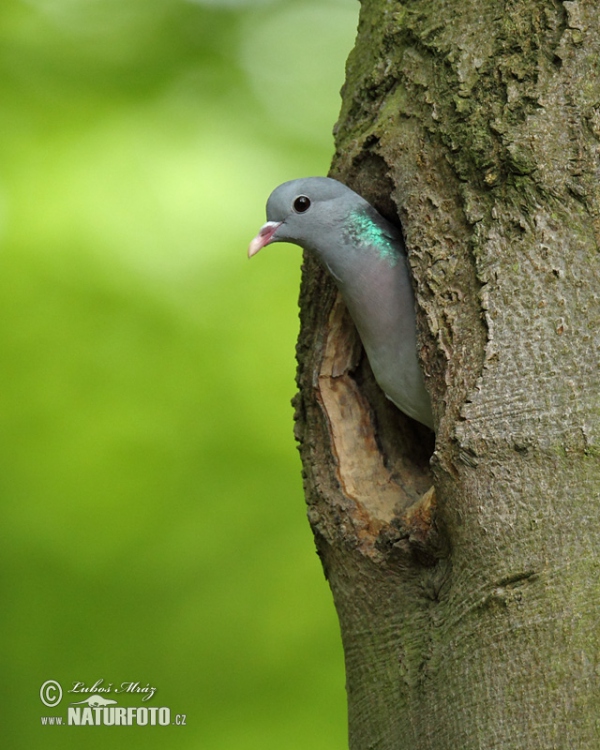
[380,300]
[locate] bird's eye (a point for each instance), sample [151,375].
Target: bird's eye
[301,204]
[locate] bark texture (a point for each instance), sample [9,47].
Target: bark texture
[470,614]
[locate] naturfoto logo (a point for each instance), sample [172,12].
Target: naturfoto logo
[96,709]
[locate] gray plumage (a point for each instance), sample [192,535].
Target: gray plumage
[365,255]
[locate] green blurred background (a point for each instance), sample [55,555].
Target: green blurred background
[153,525]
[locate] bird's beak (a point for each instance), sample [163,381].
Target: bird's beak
[264,236]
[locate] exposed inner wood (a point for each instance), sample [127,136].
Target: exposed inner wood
[382,485]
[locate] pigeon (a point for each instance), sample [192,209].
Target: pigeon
[365,255]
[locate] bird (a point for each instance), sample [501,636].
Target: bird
[366,256]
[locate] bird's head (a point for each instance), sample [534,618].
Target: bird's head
[303,211]
[328,218]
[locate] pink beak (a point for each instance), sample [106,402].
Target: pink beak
[263,237]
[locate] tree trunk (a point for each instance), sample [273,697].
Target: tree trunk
[470,615]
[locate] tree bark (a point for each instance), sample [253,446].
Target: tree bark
[470,614]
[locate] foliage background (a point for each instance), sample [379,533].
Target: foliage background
[152,520]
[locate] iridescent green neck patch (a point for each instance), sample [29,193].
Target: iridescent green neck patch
[364,231]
